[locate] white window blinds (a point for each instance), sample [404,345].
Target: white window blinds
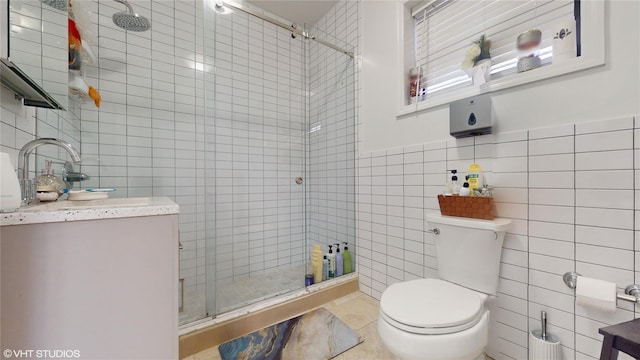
[445,29]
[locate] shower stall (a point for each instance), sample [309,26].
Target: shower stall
[279,154]
[243,119]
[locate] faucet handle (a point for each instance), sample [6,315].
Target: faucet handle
[73,176]
[69,176]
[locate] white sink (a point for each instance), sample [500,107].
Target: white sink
[88,204]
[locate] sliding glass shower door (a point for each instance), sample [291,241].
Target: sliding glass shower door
[279,154]
[255,118]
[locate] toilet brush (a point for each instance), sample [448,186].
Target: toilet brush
[542,345]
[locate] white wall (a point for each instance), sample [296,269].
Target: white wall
[148,137]
[568,191]
[599,93]
[20,124]
[255,121]
[17,124]
[556,184]
[63,125]
[226,145]
[330,181]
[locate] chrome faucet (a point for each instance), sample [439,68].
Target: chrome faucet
[69,176]
[26,185]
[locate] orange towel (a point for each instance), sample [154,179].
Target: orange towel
[95,95]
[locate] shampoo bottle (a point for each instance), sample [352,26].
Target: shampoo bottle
[331,258]
[316,263]
[455,185]
[346,257]
[464,191]
[308,278]
[476,179]
[448,189]
[339,261]
[325,268]
[452,187]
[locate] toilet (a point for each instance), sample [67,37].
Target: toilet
[447,318]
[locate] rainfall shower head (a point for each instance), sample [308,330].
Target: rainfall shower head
[56,4]
[129,20]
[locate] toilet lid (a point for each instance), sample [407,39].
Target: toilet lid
[431,304]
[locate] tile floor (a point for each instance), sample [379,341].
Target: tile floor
[357,310]
[245,291]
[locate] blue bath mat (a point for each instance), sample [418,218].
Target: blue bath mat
[315,335]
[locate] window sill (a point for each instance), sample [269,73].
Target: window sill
[547,72]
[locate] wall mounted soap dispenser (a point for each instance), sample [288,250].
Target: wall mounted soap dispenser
[471,116]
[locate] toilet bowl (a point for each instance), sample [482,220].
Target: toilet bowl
[447,318]
[433,319]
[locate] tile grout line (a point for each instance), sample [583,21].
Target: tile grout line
[575,211]
[528,237]
[633,157]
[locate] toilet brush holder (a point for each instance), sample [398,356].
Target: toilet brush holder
[542,345]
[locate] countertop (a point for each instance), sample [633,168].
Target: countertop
[64,210]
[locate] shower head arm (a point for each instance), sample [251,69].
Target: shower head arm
[126,3]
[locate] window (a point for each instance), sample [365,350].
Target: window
[445,29]
[591,46]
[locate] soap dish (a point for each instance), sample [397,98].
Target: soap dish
[81,195]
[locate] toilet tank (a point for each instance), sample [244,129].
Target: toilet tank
[469,250]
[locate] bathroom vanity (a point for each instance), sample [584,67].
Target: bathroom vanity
[98,277]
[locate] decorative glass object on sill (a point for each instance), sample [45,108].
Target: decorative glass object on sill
[477,61]
[528,44]
[480,73]
[417,90]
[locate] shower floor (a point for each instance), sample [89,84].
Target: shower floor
[236,293]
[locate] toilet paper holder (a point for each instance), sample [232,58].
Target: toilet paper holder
[631,293]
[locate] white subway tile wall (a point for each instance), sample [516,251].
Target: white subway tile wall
[570,190]
[258,121]
[148,136]
[227,144]
[21,124]
[330,130]
[39,45]
[17,124]
[570,193]
[64,125]
[551,234]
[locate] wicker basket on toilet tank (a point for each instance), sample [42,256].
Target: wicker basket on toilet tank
[467,206]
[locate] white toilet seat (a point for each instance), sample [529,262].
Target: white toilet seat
[464,345]
[427,330]
[433,319]
[431,307]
